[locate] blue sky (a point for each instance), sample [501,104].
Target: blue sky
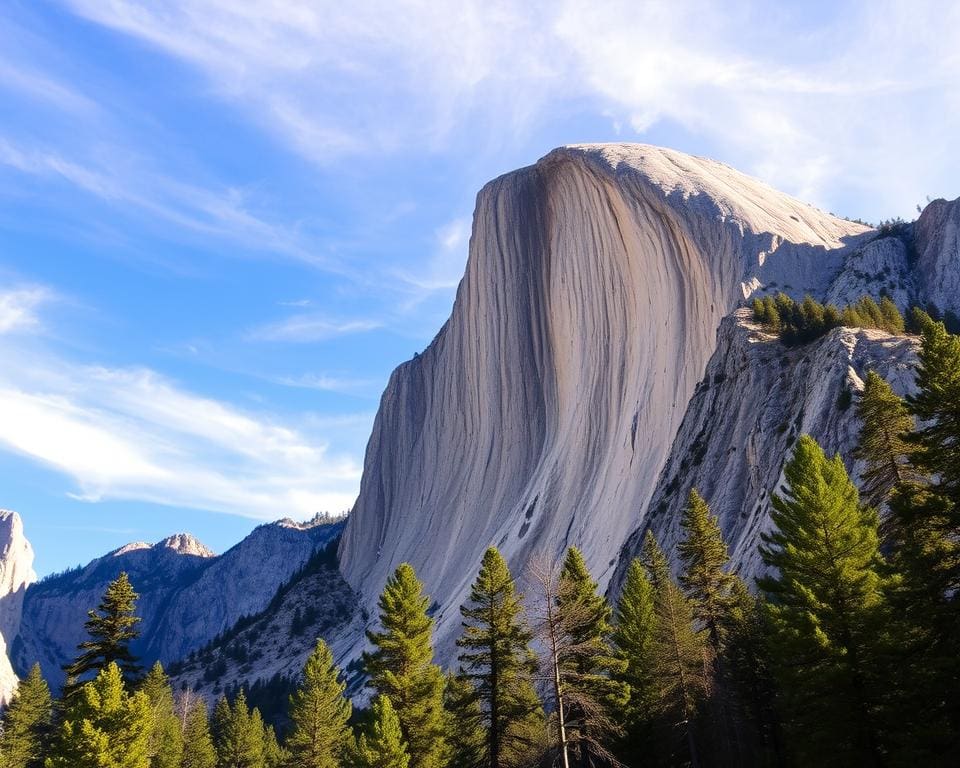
[223,224]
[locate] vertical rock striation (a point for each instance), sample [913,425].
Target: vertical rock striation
[16,574]
[543,412]
[937,249]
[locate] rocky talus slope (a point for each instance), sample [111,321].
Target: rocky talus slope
[187,594]
[16,574]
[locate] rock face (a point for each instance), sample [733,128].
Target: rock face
[16,574]
[187,594]
[937,248]
[756,398]
[543,412]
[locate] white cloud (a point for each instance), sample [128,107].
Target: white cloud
[126,182]
[18,308]
[131,434]
[326,383]
[862,96]
[310,327]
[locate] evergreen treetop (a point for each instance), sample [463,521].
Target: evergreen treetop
[382,745]
[319,713]
[198,751]
[104,725]
[825,607]
[883,445]
[26,723]
[497,661]
[401,666]
[111,628]
[703,553]
[166,734]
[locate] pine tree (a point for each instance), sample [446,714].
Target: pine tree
[465,734]
[824,607]
[166,736]
[748,670]
[198,751]
[678,651]
[704,556]
[401,667]
[926,519]
[937,406]
[635,624]
[237,734]
[319,714]
[104,726]
[26,723]
[497,661]
[382,746]
[883,444]
[595,694]
[111,628]
[274,755]
[892,319]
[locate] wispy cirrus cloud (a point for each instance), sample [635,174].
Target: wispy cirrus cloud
[859,96]
[125,182]
[327,383]
[310,327]
[129,432]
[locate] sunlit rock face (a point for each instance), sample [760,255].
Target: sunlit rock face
[937,252]
[543,412]
[756,398]
[16,574]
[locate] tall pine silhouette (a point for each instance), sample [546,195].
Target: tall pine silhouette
[825,610]
[678,651]
[401,667]
[497,661]
[319,736]
[26,723]
[111,628]
[883,444]
[634,628]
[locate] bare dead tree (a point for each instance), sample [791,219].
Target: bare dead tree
[183,704]
[580,724]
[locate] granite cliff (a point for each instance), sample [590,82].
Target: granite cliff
[543,412]
[16,574]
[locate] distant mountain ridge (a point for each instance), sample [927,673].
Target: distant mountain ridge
[187,593]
